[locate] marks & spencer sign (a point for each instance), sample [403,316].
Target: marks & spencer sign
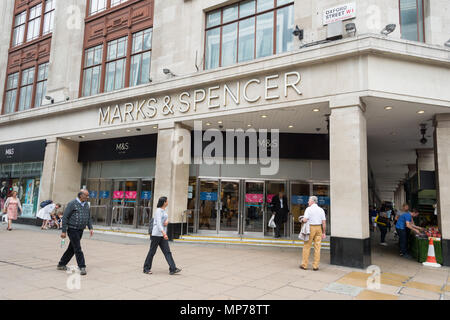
[218,97]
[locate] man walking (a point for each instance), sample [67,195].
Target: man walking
[280,209]
[317,222]
[75,219]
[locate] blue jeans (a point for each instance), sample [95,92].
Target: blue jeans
[403,240]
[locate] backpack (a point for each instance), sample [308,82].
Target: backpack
[45,203]
[382,221]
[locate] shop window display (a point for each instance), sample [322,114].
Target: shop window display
[25,179]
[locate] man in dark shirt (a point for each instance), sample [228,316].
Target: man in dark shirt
[280,209]
[75,219]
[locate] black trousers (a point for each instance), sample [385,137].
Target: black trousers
[74,248]
[164,245]
[383,230]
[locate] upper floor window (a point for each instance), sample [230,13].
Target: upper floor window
[19,28]
[96,6]
[412,20]
[11,93]
[119,65]
[26,89]
[41,84]
[49,16]
[37,21]
[34,22]
[248,30]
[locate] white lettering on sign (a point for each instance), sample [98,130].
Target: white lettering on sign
[216,97]
[342,12]
[9,152]
[122,146]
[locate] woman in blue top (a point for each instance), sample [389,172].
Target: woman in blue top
[159,238]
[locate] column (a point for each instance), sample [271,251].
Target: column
[172,173]
[67,50]
[61,175]
[442,166]
[6,23]
[350,236]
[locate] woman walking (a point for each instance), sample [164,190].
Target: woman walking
[159,238]
[12,207]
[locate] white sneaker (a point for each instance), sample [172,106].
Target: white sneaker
[384,244]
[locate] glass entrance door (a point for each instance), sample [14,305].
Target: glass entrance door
[208,205]
[229,206]
[299,202]
[273,188]
[124,202]
[145,203]
[254,219]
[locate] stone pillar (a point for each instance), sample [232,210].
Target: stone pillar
[67,50]
[350,236]
[172,173]
[61,175]
[442,165]
[6,22]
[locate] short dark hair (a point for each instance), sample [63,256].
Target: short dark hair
[161,202]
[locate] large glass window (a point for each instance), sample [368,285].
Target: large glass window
[49,16]
[92,70]
[247,30]
[34,22]
[116,64]
[11,92]
[41,85]
[26,89]
[412,20]
[97,6]
[117,2]
[19,28]
[141,57]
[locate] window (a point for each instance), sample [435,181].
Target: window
[92,70]
[117,2]
[116,64]
[34,22]
[141,57]
[19,28]
[41,85]
[26,89]
[248,30]
[49,16]
[97,6]
[11,93]
[412,20]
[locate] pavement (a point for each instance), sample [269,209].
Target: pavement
[28,258]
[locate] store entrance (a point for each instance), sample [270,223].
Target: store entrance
[121,202]
[243,207]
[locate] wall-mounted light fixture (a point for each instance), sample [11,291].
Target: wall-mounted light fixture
[350,28]
[50,99]
[423,132]
[447,44]
[298,33]
[388,29]
[167,71]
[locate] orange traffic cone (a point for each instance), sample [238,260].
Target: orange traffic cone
[431,259]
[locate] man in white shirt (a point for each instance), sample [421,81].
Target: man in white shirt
[317,222]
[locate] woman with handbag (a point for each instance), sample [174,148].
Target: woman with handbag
[159,238]
[12,207]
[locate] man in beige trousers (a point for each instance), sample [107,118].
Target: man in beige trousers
[317,222]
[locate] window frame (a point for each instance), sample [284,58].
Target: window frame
[141,54]
[417,22]
[115,60]
[38,82]
[254,16]
[50,13]
[16,89]
[24,25]
[108,6]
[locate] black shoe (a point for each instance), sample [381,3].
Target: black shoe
[60,267]
[315,269]
[303,268]
[83,271]
[175,271]
[148,272]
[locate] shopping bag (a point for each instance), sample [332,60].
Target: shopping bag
[272,222]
